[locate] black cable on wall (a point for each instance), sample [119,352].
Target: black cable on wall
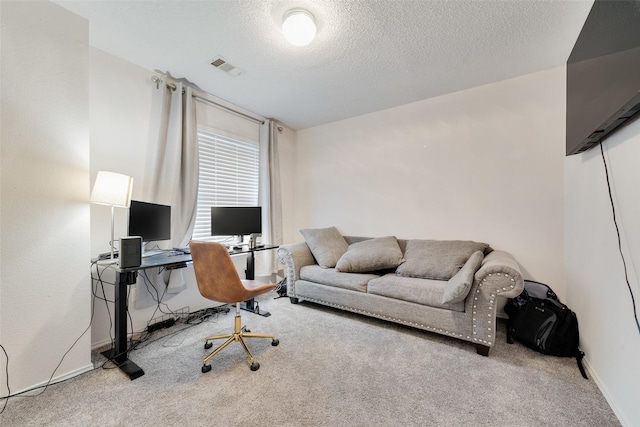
[615,222]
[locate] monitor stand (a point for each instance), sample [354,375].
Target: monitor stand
[238,244]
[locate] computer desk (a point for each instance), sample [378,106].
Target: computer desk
[125,277]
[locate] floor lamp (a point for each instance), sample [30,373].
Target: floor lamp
[112,189]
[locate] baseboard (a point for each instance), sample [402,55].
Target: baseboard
[100,344]
[37,387]
[594,376]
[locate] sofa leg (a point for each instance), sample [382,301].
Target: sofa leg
[482,350]
[293,300]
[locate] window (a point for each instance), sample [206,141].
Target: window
[229,176]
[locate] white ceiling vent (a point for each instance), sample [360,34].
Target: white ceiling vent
[221,64]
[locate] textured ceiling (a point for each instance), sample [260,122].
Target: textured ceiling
[368,54]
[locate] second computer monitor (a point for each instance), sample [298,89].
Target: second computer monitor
[236,220]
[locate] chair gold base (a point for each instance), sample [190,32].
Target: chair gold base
[238,335]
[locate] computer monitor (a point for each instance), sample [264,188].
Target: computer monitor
[150,221]
[236,220]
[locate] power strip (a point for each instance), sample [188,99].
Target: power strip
[161,325]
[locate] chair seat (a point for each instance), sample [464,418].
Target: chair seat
[256,287]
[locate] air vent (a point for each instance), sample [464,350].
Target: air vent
[221,64]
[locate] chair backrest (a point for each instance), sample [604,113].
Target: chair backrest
[216,273]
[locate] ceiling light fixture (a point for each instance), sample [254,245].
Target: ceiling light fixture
[299,27]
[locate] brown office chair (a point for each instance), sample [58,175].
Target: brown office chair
[218,280]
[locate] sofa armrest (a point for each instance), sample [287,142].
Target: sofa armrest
[294,256]
[504,270]
[499,274]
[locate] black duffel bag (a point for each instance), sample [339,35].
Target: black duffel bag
[540,321]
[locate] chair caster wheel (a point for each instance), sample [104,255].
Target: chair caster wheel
[254,366]
[275,342]
[206,368]
[208,345]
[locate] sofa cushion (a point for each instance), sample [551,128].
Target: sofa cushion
[332,277]
[371,255]
[420,291]
[437,259]
[457,288]
[326,244]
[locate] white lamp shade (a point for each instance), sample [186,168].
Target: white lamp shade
[299,27]
[112,189]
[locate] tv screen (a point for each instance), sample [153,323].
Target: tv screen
[236,220]
[603,74]
[150,221]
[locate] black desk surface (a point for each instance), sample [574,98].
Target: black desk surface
[170,258]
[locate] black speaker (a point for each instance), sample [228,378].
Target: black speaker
[130,251]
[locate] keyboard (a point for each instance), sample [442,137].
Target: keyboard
[152,253]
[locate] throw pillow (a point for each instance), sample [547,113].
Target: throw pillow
[437,259]
[457,288]
[371,255]
[326,244]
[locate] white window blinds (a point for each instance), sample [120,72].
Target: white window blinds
[229,176]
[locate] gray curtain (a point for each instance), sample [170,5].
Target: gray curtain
[171,175]
[269,197]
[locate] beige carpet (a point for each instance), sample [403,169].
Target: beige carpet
[331,369]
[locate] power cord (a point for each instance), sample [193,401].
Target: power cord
[131,344]
[6,368]
[48,383]
[615,222]
[135,339]
[104,297]
[193,319]
[158,298]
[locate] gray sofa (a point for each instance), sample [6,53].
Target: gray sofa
[446,287]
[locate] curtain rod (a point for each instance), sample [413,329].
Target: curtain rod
[158,81]
[229,109]
[207,98]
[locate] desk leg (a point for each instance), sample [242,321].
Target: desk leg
[250,273]
[118,354]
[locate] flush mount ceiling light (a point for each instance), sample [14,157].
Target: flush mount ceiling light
[299,27]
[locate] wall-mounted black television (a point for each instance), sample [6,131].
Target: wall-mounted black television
[236,220]
[150,221]
[603,74]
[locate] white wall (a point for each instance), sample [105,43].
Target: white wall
[44,216]
[484,164]
[596,285]
[120,113]
[121,107]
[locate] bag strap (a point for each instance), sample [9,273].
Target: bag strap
[579,357]
[509,324]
